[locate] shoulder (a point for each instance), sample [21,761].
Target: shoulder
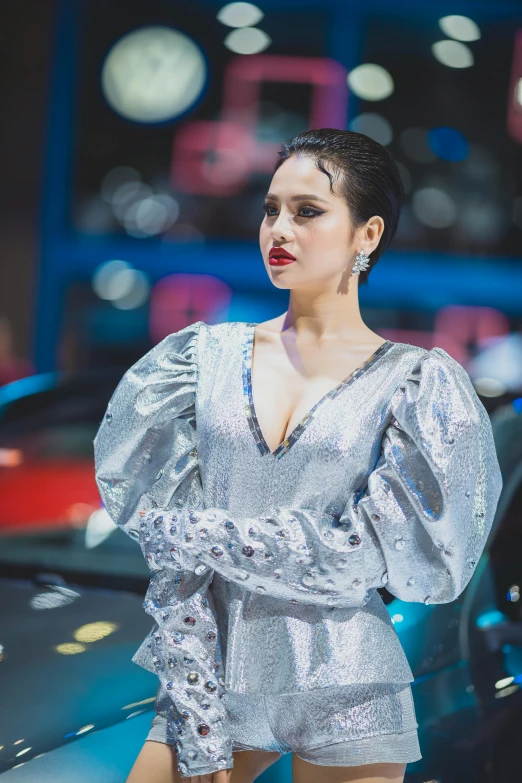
[179,341]
[423,361]
[400,360]
[438,386]
[186,341]
[177,348]
[436,363]
[219,337]
[225,327]
[172,359]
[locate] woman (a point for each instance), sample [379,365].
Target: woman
[276,475]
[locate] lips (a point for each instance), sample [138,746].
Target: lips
[280,261]
[279,257]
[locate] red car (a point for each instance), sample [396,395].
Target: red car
[47,426]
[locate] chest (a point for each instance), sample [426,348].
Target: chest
[286,386]
[288,382]
[236,420]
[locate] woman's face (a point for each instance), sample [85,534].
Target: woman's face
[317,231]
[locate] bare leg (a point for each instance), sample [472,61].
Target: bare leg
[249,764]
[156,763]
[305,772]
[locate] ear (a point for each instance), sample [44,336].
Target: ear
[370,234]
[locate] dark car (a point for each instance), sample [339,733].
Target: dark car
[77,709]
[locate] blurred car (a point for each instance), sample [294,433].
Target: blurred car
[47,425]
[73,617]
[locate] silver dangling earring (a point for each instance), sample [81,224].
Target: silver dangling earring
[362,262]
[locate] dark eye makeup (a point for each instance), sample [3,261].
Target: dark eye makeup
[314,212]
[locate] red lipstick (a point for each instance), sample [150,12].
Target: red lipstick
[280,257]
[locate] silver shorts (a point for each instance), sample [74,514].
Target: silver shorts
[347,725]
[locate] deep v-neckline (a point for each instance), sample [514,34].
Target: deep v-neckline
[253,421]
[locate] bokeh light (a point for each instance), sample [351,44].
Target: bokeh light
[70,648]
[240,15]
[104,277]
[126,195]
[448,143]
[153,74]
[454,54]
[498,366]
[374,125]
[489,387]
[115,179]
[137,290]
[141,211]
[434,207]
[116,281]
[204,296]
[93,632]
[462,28]
[57,597]
[371,82]
[139,703]
[482,219]
[247,40]
[151,215]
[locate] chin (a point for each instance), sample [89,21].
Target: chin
[281,281]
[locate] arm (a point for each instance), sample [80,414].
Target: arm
[293,554]
[430,503]
[416,529]
[145,454]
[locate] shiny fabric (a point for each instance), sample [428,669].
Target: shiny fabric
[266,564]
[341,726]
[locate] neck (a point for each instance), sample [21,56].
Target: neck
[323,314]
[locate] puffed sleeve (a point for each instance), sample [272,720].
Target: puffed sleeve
[429,504]
[296,554]
[419,526]
[145,456]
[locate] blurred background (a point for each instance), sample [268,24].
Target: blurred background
[139,139]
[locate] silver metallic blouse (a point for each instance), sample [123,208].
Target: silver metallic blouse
[266,563]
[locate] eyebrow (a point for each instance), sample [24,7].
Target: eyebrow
[302,197]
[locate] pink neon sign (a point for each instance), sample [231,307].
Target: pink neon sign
[181,299]
[218,157]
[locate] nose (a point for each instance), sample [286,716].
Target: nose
[281,231]
[281,227]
